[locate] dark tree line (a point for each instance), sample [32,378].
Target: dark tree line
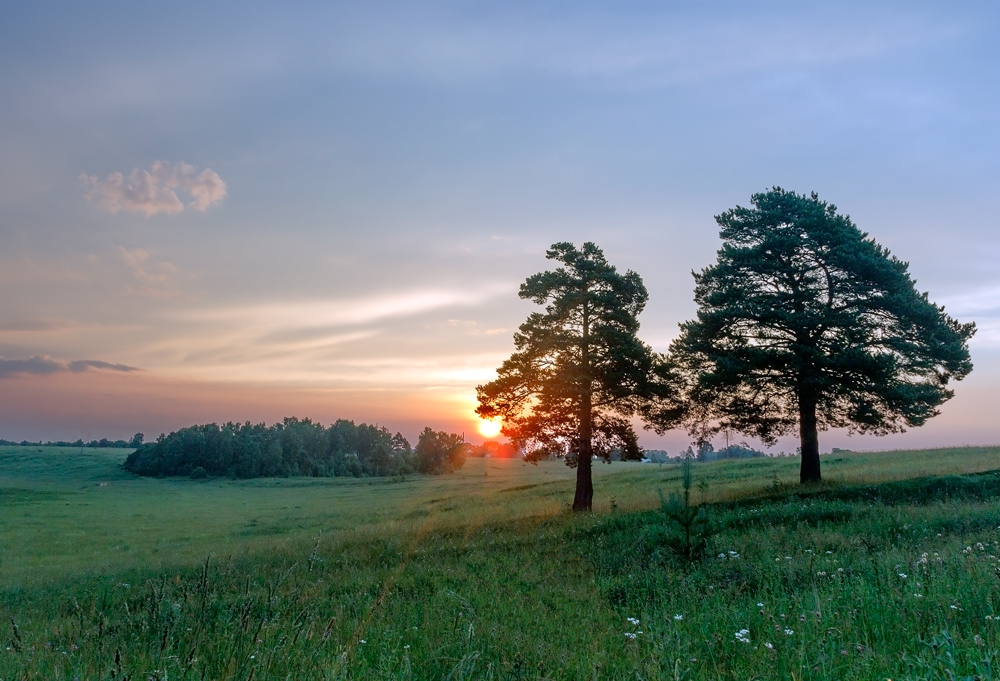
[294,447]
[103,443]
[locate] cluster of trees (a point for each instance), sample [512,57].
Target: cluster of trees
[104,443]
[295,447]
[706,452]
[492,449]
[804,323]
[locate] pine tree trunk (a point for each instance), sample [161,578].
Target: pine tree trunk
[584,499]
[808,439]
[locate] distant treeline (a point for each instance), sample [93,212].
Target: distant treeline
[296,447]
[102,443]
[706,452]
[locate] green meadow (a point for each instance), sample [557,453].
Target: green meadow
[888,570]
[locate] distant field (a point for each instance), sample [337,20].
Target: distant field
[485,573]
[63,511]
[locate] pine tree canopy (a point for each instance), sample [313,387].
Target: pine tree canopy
[578,371]
[806,321]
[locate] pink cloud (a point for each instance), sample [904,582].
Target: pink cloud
[155,190]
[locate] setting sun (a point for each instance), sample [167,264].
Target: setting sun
[489,427]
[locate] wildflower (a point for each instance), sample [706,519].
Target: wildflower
[633,621]
[821,573]
[760,605]
[789,632]
[743,636]
[953,606]
[733,555]
[722,556]
[977,639]
[918,595]
[678,617]
[902,575]
[769,645]
[363,641]
[630,636]
[829,553]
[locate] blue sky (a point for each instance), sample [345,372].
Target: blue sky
[326,210]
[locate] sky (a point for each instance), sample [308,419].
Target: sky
[244,211]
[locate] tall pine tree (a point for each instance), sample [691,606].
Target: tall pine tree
[807,322]
[578,371]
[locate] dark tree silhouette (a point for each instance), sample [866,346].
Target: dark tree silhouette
[578,371]
[806,321]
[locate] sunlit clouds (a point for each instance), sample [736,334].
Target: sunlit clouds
[156,190]
[149,276]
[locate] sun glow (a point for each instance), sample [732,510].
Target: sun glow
[489,427]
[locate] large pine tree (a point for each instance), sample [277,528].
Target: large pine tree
[806,321]
[578,371]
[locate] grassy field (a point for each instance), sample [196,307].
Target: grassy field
[485,574]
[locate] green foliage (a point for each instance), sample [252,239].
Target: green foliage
[688,526]
[292,447]
[807,322]
[439,452]
[578,371]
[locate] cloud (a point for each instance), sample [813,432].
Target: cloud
[43,365]
[981,305]
[346,312]
[155,191]
[153,278]
[646,49]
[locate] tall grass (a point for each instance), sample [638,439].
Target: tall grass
[487,576]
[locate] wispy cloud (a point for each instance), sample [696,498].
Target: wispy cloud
[153,278]
[335,313]
[43,365]
[156,190]
[666,47]
[981,305]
